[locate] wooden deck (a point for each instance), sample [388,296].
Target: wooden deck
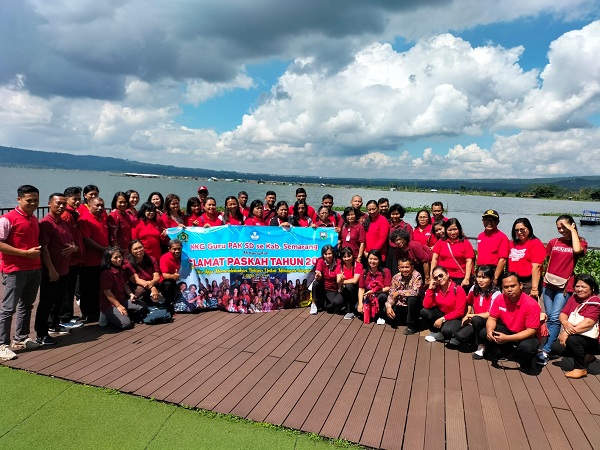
[365,383]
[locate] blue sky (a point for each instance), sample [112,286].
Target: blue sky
[420,88]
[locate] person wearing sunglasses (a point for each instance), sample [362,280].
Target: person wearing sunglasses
[444,306]
[526,257]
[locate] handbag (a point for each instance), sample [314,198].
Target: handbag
[575,318]
[555,280]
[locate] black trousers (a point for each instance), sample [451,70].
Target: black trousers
[525,350]
[577,347]
[52,294]
[408,314]
[449,327]
[350,296]
[331,301]
[470,332]
[66,309]
[89,287]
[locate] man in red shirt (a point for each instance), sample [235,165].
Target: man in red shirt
[301,197]
[513,323]
[493,246]
[20,249]
[202,195]
[94,230]
[335,217]
[269,206]
[243,201]
[57,245]
[170,266]
[437,212]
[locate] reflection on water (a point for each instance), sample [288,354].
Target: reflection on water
[467,208]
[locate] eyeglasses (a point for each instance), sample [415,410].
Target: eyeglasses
[439,276]
[521,230]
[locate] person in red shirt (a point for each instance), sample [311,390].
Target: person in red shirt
[58,245]
[143,273]
[443,306]
[282,217]
[170,266]
[172,216]
[119,223]
[21,265]
[301,197]
[526,257]
[117,303]
[94,230]
[326,295]
[563,254]
[437,212]
[373,286]
[357,202]
[377,230]
[348,279]
[193,212]
[157,199]
[256,214]
[418,253]
[353,234]
[89,192]
[513,323]
[202,195]
[395,215]
[423,232]
[455,253]
[269,207]
[480,299]
[384,207]
[334,217]
[243,201]
[134,199]
[149,231]
[299,217]
[572,341]
[71,216]
[211,217]
[492,244]
[232,215]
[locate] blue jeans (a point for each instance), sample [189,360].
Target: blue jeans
[554,302]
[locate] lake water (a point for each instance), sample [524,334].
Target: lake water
[467,208]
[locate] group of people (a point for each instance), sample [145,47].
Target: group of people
[384,269]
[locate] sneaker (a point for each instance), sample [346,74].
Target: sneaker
[102,322]
[479,353]
[45,340]
[380,321]
[6,354]
[542,358]
[454,342]
[349,316]
[71,325]
[313,308]
[409,331]
[434,337]
[26,344]
[59,330]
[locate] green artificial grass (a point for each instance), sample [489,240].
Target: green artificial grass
[40,413]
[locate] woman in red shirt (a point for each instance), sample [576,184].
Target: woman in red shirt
[353,234]
[149,231]
[423,232]
[119,223]
[325,288]
[281,218]
[134,199]
[373,286]
[300,217]
[377,230]
[143,274]
[172,216]
[348,280]
[563,254]
[526,257]
[256,214]
[193,212]
[211,217]
[157,200]
[571,340]
[443,306]
[455,253]
[232,215]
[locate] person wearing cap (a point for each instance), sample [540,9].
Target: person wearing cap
[493,245]
[202,194]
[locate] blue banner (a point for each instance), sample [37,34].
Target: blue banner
[247,269]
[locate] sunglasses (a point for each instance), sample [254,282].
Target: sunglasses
[439,276]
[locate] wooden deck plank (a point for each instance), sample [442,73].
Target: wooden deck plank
[414,435]
[567,389]
[393,435]
[452,370]
[435,426]
[590,428]
[536,436]
[456,432]
[552,427]
[366,354]
[392,365]
[373,429]
[494,425]
[337,418]
[575,434]
[474,419]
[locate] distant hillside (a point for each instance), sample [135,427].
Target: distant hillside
[16,157]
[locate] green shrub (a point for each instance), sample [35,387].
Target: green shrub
[590,264]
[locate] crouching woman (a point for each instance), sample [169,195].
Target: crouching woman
[117,302]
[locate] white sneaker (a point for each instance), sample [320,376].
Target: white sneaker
[349,316]
[6,354]
[27,344]
[313,308]
[434,337]
[380,321]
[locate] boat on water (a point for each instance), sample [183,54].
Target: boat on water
[590,218]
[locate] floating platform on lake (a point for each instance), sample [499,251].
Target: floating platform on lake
[590,218]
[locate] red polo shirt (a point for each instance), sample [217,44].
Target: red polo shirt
[119,229]
[112,280]
[491,247]
[522,256]
[21,231]
[448,255]
[168,264]
[377,236]
[352,236]
[254,221]
[424,236]
[55,236]
[382,278]
[149,234]
[145,272]
[96,229]
[350,272]
[517,316]
[329,274]
[71,217]
[452,303]
[481,303]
